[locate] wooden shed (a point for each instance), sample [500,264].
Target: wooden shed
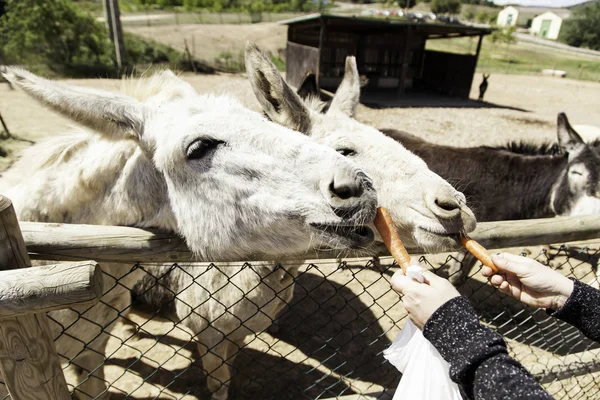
[391,54]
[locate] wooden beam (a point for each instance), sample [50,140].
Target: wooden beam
[131,245]
[29,365]
[115,32]
[322,35]
[49,287]
[405,65]
[478,49]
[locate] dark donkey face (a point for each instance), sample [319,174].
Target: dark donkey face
[577,191]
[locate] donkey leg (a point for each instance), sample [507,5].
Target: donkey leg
[457,269]
[463,267]
[90,376]
[216,361]
[91,330]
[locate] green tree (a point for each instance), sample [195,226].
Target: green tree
[583,27]
[55,33]
[470,14]
[482,17]
[406,3]
[506,35]
[453,6]
[445,6]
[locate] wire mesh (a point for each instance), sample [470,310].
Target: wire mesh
[310,331]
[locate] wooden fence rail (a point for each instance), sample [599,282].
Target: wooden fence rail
[29,365]
[49,288]
[131,245]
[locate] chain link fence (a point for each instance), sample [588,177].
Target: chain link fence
[321,328]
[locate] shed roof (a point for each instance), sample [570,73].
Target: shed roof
[360,23]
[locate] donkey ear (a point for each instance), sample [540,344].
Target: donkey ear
[568,140]
[308,87]
[347,95]
[276,97]
[106,112]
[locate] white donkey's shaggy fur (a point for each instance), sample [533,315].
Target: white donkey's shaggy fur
[232,183]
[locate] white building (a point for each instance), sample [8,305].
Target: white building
[546,25]
[508,16]
[524,16]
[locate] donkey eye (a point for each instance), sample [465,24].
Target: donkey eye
[575,172]
[201,147]
[346,152]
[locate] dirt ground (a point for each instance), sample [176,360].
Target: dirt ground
[330,341]
[231,38]
[517,107]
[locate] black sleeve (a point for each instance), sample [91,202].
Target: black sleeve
[582,310]
[478,358]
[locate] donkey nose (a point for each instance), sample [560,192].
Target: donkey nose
[444,204]
[345,186]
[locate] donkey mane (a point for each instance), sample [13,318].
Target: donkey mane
[535,149]
[529,149]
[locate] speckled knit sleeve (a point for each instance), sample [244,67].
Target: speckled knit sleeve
[582,310]
[478,358]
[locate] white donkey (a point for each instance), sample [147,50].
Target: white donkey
[428,211]
[229,181]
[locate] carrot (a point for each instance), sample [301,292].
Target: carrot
[479,252]
[391,239]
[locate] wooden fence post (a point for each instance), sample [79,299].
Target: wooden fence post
[29,364]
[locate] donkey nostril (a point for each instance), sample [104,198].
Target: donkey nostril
[346,187]
[448,204]
[344,192]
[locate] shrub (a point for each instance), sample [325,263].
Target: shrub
[55,37]
[583,27]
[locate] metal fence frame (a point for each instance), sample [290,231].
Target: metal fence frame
[132,245]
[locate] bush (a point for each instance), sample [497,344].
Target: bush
[470,14]
[482,17]
[445,6]
[583,27]
[54,33]
[504,35]
[55,37]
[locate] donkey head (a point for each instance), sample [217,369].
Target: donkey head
[577,191]
[233,183]
[427,210]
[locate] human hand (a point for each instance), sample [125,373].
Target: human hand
[529,281]
[422,299]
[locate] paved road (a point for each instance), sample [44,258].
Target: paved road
[525,37]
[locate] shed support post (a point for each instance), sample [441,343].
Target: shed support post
[115,32]
[478,49]
[405,60]
[322,35]
[29,365]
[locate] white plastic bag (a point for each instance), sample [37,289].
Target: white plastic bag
[424,372]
